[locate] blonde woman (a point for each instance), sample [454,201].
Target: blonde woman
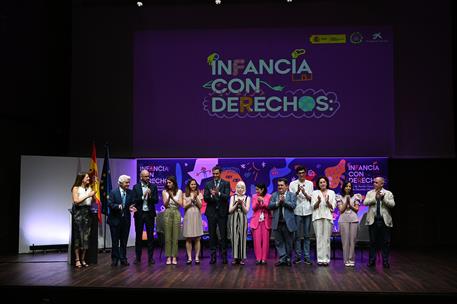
[192,226]
[172,200]
[239,208]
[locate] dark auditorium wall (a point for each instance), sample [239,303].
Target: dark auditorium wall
[61,58]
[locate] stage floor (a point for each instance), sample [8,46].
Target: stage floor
[418,275]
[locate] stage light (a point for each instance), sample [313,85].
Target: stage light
[289,1]
[218,1]
[139,4]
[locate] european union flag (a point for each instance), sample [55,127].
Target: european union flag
[105,184]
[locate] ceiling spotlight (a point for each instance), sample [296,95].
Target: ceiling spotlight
[139,4]
[289,1]
[218,1]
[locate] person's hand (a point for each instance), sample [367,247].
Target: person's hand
[318,199]
[282,199]
[120,206]
[91,194]
[147,194]
[133,209]
[379,195]
[260,199]
[213,191]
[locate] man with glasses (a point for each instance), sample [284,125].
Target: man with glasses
[303,190]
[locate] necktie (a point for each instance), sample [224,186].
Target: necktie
[216,184]
[281,212]
[123,198]
[378,209]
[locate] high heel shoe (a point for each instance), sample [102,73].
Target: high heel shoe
[84,264]
[174,262]
[197,262]
[78,264]
[189,262]
[168,261]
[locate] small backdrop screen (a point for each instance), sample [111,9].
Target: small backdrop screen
[359,171]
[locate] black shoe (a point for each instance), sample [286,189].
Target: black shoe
[137,262]
[263,262]
[258,262]
[371,264]
[386,265]
[125,263]
[213,260]
[151,262]
[297,261]
[114,263]
[308,262]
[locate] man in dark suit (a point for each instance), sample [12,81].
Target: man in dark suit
[144,214]
[283,203]
[120,202]
[216,196]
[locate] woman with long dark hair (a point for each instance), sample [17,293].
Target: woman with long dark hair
[172,200]
[82,195]
[192,224]
[348,222]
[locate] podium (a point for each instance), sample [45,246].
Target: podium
[91,253]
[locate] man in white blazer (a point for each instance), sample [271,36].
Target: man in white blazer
[379,220]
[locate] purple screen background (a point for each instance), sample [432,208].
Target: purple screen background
[170,69]
[359,171]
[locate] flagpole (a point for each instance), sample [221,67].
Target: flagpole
[104,250]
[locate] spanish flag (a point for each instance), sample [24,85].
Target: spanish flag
[93,173]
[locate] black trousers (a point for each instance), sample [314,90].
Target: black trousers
[379,239]
[119,238]
[142,220]
[214,222]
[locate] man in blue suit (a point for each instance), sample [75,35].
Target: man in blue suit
[217,196]
[144,214]
[283,203]
[120,202]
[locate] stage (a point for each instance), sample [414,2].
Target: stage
[414,275]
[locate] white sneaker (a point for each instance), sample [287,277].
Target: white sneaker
[347,264]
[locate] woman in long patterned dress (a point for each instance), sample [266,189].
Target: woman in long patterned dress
[82,195]
[239,208]
[193,228]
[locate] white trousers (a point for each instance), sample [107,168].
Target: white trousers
[323,229]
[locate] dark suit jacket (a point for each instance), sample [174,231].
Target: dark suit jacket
[116,215]
[289,207]
[219,204]
[152,200]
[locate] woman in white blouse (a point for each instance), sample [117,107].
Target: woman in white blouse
[323,202]
[172,200]
[348,205]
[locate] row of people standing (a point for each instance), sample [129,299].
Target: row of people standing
[291,207]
